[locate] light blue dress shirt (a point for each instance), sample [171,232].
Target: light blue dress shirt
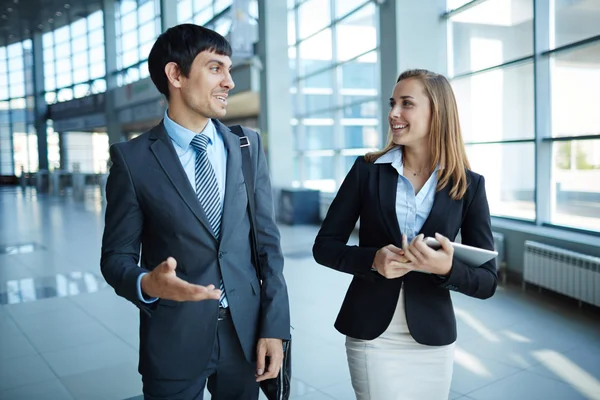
[217,155]
[411,209]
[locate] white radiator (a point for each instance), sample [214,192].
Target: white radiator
[566,272]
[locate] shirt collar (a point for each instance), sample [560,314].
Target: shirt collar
[393,157]
[183,136]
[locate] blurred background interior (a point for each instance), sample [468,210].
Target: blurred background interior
[313,77]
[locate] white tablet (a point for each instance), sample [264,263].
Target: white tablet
[472,256]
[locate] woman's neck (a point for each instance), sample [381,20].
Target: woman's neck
[416,160]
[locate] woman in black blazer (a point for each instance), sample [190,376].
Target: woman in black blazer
[397,314]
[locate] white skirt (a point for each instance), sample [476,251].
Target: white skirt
[395,367]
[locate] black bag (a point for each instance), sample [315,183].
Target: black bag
[277,388]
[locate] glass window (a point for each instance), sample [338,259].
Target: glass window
[97,70]
[81,75]
[62,34]
[575,80]
[128,6]
[96,38]
[63,51]
[49,82]
[47,40]
[63,80]
[367,109]
[575,184]
[201,4]
[80,60]
[184,10]
[146,12]
[15,51]
[356,34]
[318,137]
[80,44]
[95,20]
[574,21]
[99,86]
[315,53]
[220,5]
[291,28]
[130,57]
[78,28]
[317,102]
[144,73]
[145,50]
[319,172]
[129,22]
[48,57]
[343,7]
[64,95]
[313,16]
[63,65]
[97,55]
[496,105]
[490,33]
[360,73]
[509,172]
[203,16]
[454,4]
[81,90]
[357,136]
[50,97]
[129,40]
[17,90]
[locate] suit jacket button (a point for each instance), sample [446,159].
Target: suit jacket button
[220,255]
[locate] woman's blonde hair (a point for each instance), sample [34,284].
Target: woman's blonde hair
[445,138]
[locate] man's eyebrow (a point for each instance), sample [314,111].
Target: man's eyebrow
[221,63]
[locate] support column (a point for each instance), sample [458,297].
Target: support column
[40,106]
[412,34]
[168,15]
[543,121]
[275,103]
[113,127]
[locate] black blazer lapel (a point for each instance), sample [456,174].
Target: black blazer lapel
[165,154]
[439,211]
[388,185]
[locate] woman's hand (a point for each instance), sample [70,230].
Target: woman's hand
[424,258]
[391,262]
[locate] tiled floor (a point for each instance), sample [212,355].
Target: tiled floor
[79,340]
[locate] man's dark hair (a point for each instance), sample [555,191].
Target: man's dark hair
[181,44]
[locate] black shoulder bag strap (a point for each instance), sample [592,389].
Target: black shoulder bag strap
[248,172]
[277,388]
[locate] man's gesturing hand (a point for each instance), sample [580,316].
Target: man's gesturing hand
[163,283]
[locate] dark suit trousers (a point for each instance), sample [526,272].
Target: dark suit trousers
[230,376]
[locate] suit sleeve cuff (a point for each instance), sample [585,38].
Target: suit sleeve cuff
[141,296]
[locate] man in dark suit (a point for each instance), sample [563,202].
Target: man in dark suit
[178,192]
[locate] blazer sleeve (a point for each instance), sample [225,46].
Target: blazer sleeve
[330,248]
[476,230]
[122,232]
[275,308]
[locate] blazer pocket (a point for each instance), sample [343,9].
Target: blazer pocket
[255,286]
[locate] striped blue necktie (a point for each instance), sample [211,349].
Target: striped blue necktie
[207,191]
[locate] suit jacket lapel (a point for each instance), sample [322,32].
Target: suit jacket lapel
[438,212]
[232,211]
[388,185]
[165,154]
